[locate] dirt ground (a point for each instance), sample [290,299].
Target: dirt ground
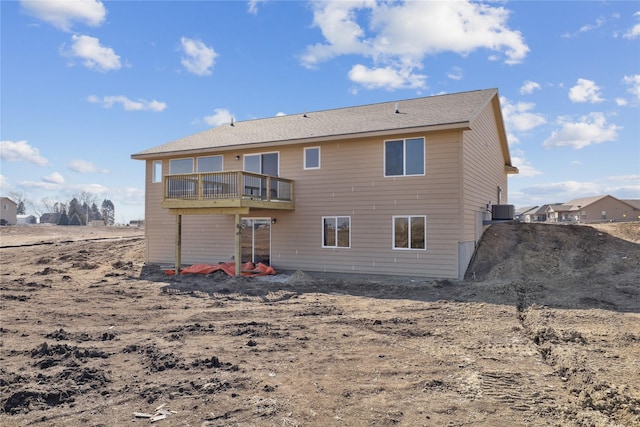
[544,331]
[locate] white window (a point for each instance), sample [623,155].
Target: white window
[404,157]
[209,164]
[410,232]
[157,171]
[336,232]
[312,158]
[178,166]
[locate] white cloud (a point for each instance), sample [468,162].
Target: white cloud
[4,183]
[94,55]
[221,116]
[585,91]
[566,190]
[621,102]
[455,73]
[63,13]
[634,85]
[21,151]
[525,167]
[518,117]
[54,178]
[588,27]
[252,6]
[528,87]
[400,34]
[198,58]
[128,104]
[633,32]
[621,187]
[131,196]
[591,129]
[84,166]
[51,182]
[92,188]
[386,77]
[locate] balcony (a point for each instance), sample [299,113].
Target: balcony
[214,192]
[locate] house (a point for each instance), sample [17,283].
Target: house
[26,219]
[8,211]
[524,214]
[49,218]
[399,188]
[594,209]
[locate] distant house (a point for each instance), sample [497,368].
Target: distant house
[8,211]
[49,218]
[523,214]
[633,202]
[537,214]
[398,188]
[593,209]
[26,219]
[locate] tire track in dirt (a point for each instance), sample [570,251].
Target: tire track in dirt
[595,401]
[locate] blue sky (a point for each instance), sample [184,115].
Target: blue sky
[85,84]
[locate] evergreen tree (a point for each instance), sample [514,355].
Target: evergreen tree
[64,219]
[75,220]
[75,209]
[95,213]
[108,212]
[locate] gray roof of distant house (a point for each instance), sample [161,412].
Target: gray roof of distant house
[455,110]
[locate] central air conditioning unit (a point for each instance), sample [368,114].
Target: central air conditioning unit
[502,212]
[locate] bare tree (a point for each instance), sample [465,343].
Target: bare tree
[87,199]
[20,199]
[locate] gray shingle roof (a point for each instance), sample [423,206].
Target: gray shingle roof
[451,109]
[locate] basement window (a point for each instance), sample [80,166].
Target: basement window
[410,232]
[336,232]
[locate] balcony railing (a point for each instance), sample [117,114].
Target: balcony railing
[224,189]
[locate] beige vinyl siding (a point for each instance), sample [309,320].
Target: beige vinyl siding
[351,183]
[358,188]
[483,165]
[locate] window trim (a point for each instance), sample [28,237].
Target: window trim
[393,233]
[404,157]
[156,175]
[336,217]
[304,157]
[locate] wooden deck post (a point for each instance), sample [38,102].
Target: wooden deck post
[238,254]
[178,243]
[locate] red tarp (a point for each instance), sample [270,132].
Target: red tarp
[248,269]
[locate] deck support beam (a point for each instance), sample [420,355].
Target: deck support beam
[178,243]
[238,254]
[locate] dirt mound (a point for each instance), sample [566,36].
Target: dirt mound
[546,334]
[544,252]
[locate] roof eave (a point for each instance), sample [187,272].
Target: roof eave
[460,126]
